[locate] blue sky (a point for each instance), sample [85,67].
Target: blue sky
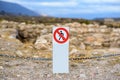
[73,8]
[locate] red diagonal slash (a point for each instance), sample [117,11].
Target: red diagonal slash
[61,35]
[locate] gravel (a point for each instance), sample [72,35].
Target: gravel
[21,69]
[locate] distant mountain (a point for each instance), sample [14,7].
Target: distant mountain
[102,19]
[16,9]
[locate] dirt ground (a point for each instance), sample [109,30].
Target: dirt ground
[94,69]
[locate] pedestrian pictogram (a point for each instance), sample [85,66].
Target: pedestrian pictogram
[60,49]
[61,35]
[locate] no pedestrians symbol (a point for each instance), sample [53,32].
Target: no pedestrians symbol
[60,49]
[61,35]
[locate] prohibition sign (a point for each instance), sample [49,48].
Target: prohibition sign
[64,38]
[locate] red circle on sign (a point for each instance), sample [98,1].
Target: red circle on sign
[57,32]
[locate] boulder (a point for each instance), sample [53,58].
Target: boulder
[89,39]
[73,41]
[27,34]
[44,31]
[40,40]
[8,33]
[82,46]
[97,44]
[1,67]
[41,46]
[106,44]
[91,30]
[19,53]
[73,51]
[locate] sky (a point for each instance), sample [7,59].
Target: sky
[73,8]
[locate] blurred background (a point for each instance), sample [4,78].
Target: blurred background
[64,8]
[26,39]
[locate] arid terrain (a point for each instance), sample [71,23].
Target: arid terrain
[22,40]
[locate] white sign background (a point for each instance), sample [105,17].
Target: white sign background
[60,54]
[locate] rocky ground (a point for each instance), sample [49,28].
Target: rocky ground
[35,40]
[97,69]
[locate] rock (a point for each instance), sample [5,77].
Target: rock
[82,46]
[41,46]
[95,52]
[90,39]
[82,36]
[35,56]
[1,67]
[19,53]
[74,65]
[114,34]
[26,36]
[97,43]
[44,31]
[97,30]
[90,25]
[84,30]
[102,30]
[4,21]
[91,30]
[116,30]
[4,26]
[89,47]
[82,76]
[113,50]
[22,28]
[73,41]
[30,30]
[83,24]
[72,30]
[14,35]
[8,33]
[106,44]
[40,40]
[103,26]
[118,42]
[47,37]
[37,31]
[18,75]
[73,51]
[2,49]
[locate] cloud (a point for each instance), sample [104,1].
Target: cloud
[107,9]
[68,3]
[64,3]
[90,9]
[100,1]
[76,7]
[14,1]
[58,4]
